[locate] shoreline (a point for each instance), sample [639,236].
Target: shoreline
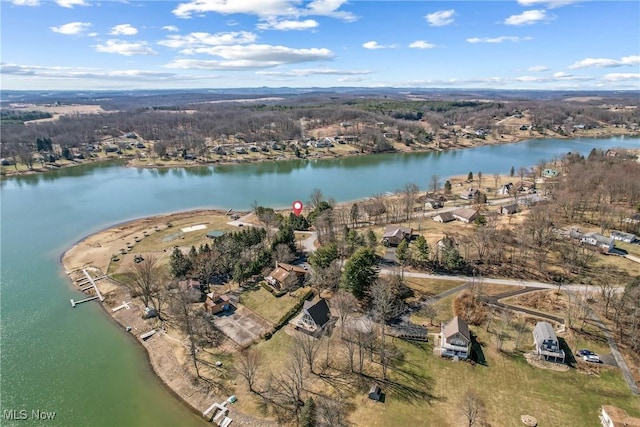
[159,352]
[131,161]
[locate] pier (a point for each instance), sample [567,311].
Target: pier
[82,282]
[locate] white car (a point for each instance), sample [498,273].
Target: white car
[593,358]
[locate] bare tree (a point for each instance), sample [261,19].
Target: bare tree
[384,306]
[184,317]
[309,346]
[249,365]
[410,194]
[496,178]
[146,279]
[471,408]
[345,303]
[429,310]
[316,198]
[435,182]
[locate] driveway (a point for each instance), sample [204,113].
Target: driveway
[241,325]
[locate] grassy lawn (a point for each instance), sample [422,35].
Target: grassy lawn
[509,386]
[430,287]
[266,305]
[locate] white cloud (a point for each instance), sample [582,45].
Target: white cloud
[287,25]
[527,17]
[71,28]
[351,79]
[561,75]
[372,45]
[551,4]
[170,28]
[531,79]
[26,2]
[125,48]
[538,68]
[440,18]
[199,39]
[498,39]
[94,34]
[421,44]
[618,77]
[270,9]
[606,62]
[71,3]
[124,30]
[238,57]
[78,73]
[304,72]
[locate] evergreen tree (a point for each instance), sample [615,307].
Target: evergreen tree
[512,172]
[422,250]
[402,253]
[308,414]
[360,272]
[447,187]
[324,256]
[372,240]
[470,176]
[180,265]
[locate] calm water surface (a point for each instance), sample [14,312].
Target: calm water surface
[74,361]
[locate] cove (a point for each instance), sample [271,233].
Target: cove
[74,362]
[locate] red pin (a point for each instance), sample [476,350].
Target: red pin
[297,207]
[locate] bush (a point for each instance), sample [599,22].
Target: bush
[294,310]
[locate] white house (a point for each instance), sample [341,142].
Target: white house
[547,344]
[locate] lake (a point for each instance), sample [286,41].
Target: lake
[75,361]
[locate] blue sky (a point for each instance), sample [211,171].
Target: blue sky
[516,44]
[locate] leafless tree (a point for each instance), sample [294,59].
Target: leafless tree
[410,194]
[435,182]
[384,306]
[288,385]
[184,318]
[250,363]
[471,408]
[146,279]
[345,303]
[316,198]
[309,346]
[429,310]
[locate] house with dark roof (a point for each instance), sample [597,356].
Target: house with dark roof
[394,235]
[546,342]
[315,316]
[469,194]
[604,244]
[623,237]
[509,209]
[286,276]
[455,339]
[444,217]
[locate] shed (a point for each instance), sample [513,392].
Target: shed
[215,233]
[375,393]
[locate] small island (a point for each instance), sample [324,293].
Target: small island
[360,313]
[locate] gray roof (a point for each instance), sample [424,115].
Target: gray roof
[318,311]
[456,325]
[543,332]
[445,216]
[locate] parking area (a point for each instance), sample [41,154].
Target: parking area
[241,325]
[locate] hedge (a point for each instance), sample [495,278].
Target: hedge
[277,294]
[294,310]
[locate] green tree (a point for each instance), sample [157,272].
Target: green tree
[372,240]
[512,172]
[360,272]
[179,264]
[470,176]
[421,250]
[324,256]
[402,253]
[354,214]
[447,187]
[308,414]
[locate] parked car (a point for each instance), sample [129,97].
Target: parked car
[583,353]
[589,356]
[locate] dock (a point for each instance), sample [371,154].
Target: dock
[120,307]
[84,286]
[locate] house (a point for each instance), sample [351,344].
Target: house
[547,344]
[505,190]
[623,237]
[633,219]
[315,315]
[605,244]
[215,303]
[469,194]
[612,416]
[465,215]
[444,217]
[550,173]
[431,203]
[455,339]
[285,276]
[526,186]
[509,209]
[394,235]
[323,143]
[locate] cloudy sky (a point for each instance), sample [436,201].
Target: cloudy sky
[510,44]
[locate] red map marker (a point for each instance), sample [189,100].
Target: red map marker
[297,207]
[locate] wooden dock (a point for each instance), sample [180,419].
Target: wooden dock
[84,286]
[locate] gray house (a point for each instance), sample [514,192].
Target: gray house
[455,339]
[394,234]
[547,344]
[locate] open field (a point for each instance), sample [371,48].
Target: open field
[268,306]
[429,287]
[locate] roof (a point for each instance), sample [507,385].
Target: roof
[215,298]
[319,311]
[215,233]
[465,213]
[512,208]
[397,231]
[544,331]
[290,267]
[620,417]
[457,325]
[445,216]
[282,271]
